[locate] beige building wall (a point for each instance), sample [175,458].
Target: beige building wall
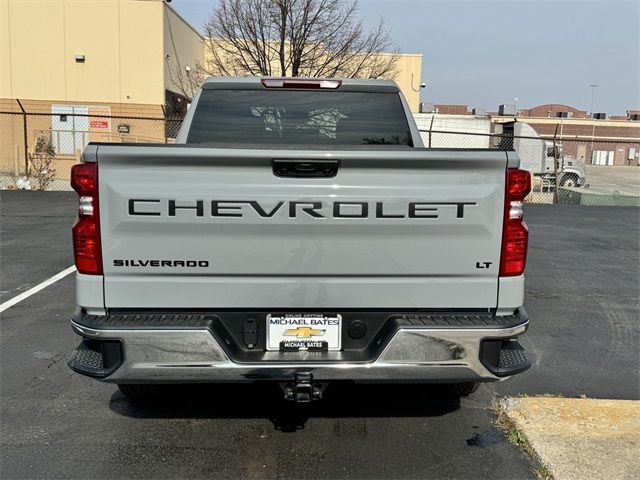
[183,47]
[5,50]
[408,74]
[132,48]
[409,78]
[122,41]
[128,46]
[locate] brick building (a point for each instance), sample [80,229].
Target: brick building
[596,139]
[596,142]
[601,140]
[444,109]
[551,110]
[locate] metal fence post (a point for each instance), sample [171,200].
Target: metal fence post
[164,123]
[556,164]
[431,128]
[26,141]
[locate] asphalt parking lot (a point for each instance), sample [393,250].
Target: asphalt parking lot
[582,297]
[624,180]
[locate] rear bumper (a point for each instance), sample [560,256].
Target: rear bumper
[414,348]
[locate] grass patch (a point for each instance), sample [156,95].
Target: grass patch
[517,437]
[550,395]
[543,473]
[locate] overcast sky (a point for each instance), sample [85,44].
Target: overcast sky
[483,53]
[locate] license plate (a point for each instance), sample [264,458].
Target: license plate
[304,332]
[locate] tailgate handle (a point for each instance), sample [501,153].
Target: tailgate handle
[305,168]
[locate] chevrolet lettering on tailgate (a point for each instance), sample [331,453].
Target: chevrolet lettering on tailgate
[313,209]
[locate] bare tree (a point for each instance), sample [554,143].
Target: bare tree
[310,38]
[41,161]
[187,81]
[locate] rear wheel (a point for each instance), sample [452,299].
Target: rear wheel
[135,391]
[460,389]
[570,180]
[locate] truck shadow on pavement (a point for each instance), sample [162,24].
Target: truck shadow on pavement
[242,401]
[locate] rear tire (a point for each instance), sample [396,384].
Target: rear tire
[460,389]
[570,180]
[135,391]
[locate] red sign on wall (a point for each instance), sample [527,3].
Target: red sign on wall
[99,124]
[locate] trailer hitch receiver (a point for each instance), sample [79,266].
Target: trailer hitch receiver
[303,390]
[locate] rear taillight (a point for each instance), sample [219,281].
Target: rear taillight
[515,235]
[312,83]
[86,231]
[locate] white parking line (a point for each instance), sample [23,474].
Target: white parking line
[17,299]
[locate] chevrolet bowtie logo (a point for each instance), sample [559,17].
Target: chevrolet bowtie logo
[304,332]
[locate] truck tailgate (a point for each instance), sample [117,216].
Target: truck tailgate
[195,228]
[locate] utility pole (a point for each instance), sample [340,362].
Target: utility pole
[593,95]
[593,127]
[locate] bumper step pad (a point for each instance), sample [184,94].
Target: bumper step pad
[513,357]
[504,357]
[97,359]
[84,357]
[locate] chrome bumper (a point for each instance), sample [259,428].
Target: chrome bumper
[190,356]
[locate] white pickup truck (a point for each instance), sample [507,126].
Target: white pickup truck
[298,232]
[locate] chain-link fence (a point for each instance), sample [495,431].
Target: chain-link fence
[37,150]
[565,170]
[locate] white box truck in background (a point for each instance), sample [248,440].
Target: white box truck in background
[462,131]
[537,156]
[468,131]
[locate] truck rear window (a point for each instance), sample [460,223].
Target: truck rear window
[307,117]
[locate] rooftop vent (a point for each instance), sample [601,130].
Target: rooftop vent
[506,109]
[427,107]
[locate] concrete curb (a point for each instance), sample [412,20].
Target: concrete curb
[576,438]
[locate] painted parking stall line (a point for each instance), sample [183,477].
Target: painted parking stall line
[32,291]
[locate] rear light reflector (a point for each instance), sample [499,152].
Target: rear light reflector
[312,83]
[515,235]
[87,250]
[86,246]
[514,251]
